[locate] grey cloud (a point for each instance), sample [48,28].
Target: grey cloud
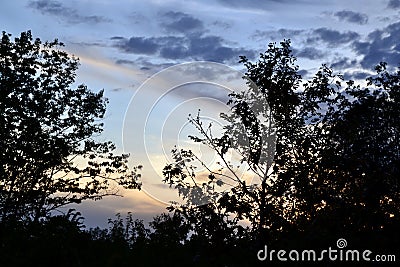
[87,44]
[207,71]
[181,23]
[209,48]
[70,15]
[137,18]
[303,72]
[174,52]
[394,4]
[118,89]
[381,45]
[222,24]
[309,52]
[343,63]
[351,16]
[332,37]
[357,75]
[125,62]
[149,46]
[205,46]
[202,89]
[212,48]
[140,45]
[144,64]
[254,4]
[276,35]
[50,7]
[193,44]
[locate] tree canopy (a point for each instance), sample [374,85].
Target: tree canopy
[50,155]
[335,165]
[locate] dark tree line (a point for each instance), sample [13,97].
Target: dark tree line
[325,153]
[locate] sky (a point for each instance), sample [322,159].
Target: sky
[159,60]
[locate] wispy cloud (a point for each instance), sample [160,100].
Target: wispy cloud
[343,63]
[254,4]
[70,15]
[332,37]
[277,34]
[309,53]
[352,17]
[178,22]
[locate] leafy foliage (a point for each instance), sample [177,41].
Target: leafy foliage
[49,153]
[336,154]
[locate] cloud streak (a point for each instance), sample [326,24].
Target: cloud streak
[70,15]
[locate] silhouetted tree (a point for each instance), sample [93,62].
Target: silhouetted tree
[335,165]
[49,155]
[260,115]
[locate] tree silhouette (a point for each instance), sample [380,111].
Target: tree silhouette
[335,166]
[49,153]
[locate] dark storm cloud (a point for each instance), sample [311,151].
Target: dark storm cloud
[394,4]
[178,22]
[70,15]
[309,52]
[332,37]
[351,16]
[191,47]
[381,45]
